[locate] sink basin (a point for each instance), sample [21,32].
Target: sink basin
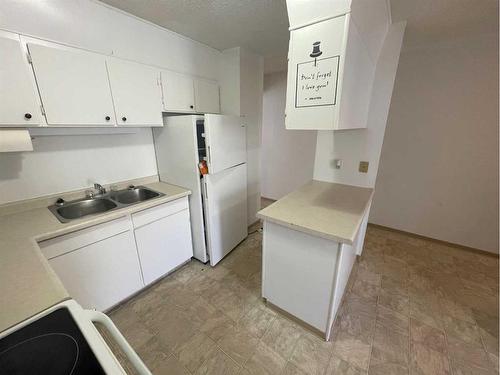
[84,207]
[102,203]
[138,194]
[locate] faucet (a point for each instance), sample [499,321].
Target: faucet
[100,189]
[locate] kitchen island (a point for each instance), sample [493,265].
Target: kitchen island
[311,239]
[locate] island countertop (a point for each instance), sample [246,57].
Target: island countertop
[324,209]
[28,285]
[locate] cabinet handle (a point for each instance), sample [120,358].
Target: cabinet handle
[124,119]
[27,116]
[191,106]
[107,118]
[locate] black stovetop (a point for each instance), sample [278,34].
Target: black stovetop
[52,345]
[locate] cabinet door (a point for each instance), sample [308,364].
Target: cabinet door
[136,93]
[178,92]
[316,57]
[17,93]
[163,245]
[206,95]
[101,274]
[73,86]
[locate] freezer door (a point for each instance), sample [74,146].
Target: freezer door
[226,142]
[225,198]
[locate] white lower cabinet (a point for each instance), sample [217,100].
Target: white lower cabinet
[100,274]
[102,265]
[164,244]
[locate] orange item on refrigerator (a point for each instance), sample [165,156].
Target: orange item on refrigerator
[203,167]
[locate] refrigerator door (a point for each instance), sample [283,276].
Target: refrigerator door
[225,204]
[226,142]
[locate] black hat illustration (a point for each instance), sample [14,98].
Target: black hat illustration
[316,52]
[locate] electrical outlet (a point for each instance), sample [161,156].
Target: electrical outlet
[363,166]
[337,163]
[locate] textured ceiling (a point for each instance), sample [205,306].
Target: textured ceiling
[259,25]
[431,21]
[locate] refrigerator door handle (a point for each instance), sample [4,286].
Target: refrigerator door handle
[209,159]
[204,189]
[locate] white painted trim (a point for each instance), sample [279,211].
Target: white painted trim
[50,131]
[332,314]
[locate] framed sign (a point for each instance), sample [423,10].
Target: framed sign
[316,82]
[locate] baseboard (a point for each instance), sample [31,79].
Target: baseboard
[462,247]
[268,199]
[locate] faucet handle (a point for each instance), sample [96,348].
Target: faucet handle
[100,188]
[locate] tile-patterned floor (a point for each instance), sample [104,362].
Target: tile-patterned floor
[413,307]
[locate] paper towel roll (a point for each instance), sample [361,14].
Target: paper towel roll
[15,140]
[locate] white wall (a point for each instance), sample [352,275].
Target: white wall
[251,92]
[64,163]
[439,166]
[241,75]
[92,25]
[287,155]
[353,146]
[229,80]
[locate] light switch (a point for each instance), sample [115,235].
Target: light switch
[363,166]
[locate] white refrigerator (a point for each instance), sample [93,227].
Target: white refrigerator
[218,203]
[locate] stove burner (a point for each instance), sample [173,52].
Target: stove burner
[52,345]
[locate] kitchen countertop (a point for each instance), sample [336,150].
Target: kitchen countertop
[324,209]
[28,284]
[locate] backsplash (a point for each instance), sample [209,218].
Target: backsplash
[66,163]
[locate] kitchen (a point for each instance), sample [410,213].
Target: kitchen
[137,197]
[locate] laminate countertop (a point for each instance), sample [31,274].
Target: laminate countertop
[324,209]
[28,285]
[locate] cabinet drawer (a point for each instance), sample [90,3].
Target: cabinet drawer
[155,213]
[72,241]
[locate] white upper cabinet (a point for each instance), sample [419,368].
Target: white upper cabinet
[19,106]
[178,92]
[316,59]
[73,86]
[136,91]
[332,56]
[68,86]
[206,95]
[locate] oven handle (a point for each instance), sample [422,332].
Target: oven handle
[135,360]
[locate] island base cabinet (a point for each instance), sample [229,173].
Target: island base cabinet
[305,275]
[163,245]
[101,274]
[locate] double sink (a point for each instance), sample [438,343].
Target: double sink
[67,211]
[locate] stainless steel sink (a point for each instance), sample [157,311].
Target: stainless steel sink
[67,211]
[134,195]
[80,208]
